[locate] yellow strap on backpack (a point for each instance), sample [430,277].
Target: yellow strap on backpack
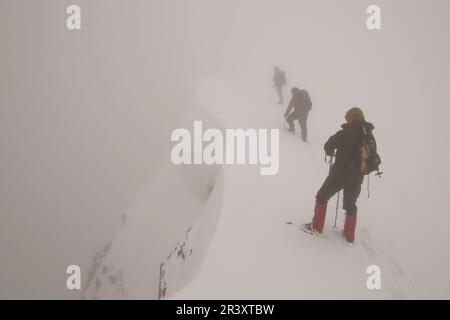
[364,157]
[363,152]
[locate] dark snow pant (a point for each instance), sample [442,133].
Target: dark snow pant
[280,94]
[302,118]
[335,182]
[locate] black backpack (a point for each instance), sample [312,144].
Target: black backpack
[370,159]
[305,100]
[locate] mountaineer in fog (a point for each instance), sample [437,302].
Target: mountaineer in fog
[356,155]
[301,105]
[279,81]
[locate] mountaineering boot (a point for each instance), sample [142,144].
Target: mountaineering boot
[318,220]
[308,228]
[292,130]
[350,226]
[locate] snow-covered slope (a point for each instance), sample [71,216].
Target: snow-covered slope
[164,235]
[257,254]
[257,250]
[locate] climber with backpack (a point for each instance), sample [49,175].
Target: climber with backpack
[355,151]
[298,109]
[279,81]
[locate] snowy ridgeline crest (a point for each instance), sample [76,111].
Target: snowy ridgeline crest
[164,236]
[101,274]
[171,269]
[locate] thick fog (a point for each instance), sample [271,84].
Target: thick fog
[86,116]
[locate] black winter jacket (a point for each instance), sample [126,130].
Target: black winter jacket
[347,143]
